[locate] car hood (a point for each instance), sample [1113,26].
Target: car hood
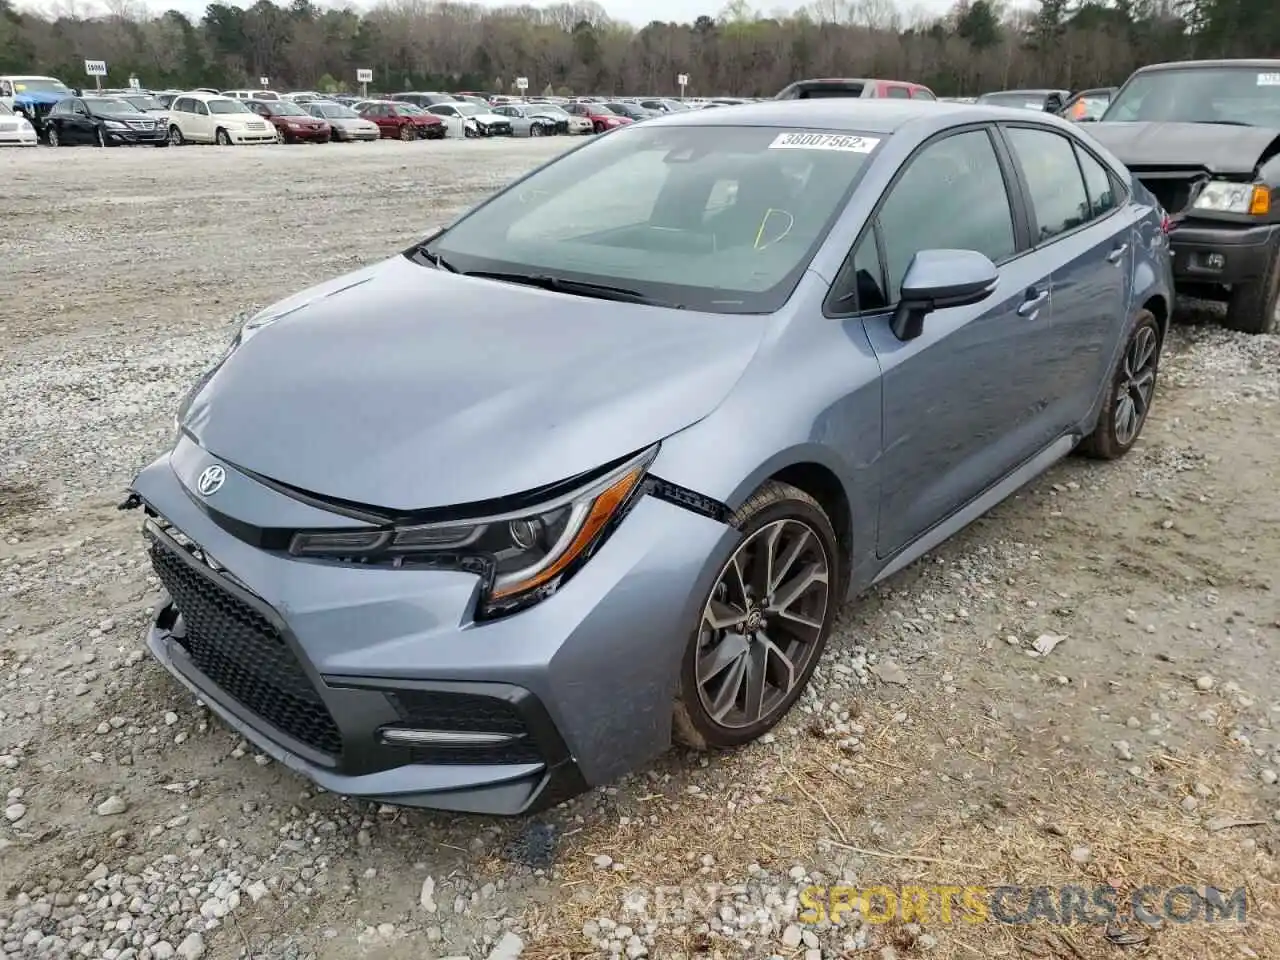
[1218,148]
[405,387]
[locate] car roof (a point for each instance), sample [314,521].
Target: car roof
[1210,64]
[852,114]
[1020,91]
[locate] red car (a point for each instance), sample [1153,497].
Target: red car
[601,117]
[293,124]
[844,87]
[402,121]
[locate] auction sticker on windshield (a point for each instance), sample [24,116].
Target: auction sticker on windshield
[824,141]
[1269,79]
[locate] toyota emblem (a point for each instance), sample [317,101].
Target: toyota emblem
[211,480]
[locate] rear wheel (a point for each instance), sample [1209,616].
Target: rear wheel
[1133,385]
[1253,306]
[764,624]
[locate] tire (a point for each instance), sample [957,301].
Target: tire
[1252,307]
[176,138]
[536,130]
[407,133]
[99,138]
[597,128]
[222,138]
[1114,434]
[777,517]
[54,139]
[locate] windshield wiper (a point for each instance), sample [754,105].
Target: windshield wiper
[581,288]
[436,260]
[1227,123]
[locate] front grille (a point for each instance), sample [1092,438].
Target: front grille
[1174,193]
[238,649]
[464,713]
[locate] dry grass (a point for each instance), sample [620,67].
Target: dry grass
[950,815]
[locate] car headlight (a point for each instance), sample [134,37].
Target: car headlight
[521,557]
[115,125]
[1221,196]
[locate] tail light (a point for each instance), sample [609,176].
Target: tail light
[1166,224]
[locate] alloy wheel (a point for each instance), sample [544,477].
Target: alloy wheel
[762,624]
[1137,384]
[222,138]
[535,130]
[99,138]
[53,137]
[175,136]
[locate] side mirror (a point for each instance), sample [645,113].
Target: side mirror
[937,279]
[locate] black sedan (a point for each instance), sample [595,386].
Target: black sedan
[630,111]
[102,121]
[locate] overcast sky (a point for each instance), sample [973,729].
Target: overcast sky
[638,12]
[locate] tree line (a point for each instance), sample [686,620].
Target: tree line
[576,48]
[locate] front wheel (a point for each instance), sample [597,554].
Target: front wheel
[1129,395]
[1253,307]
[763,625]
[222,138]
[175,137]
[536,130]
[54,139]
[99,138]
[407,133]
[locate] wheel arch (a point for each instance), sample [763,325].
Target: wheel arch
[821,482]
[1159,308]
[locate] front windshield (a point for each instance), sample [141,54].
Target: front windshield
[550,110]
[284,108]
[109,105]
[467,109]
[1026,99]
[337,111]
[1236,95]
[408,110]
[5,111]
[227,106]
[723,219]
[144,103]
[40,85]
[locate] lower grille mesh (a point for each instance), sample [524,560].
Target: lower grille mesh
[239,650]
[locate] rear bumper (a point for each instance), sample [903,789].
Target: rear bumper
[313,662]
[1222,253]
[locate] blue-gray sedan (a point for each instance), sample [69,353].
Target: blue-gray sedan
[491,521]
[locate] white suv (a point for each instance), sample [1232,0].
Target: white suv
[214,118]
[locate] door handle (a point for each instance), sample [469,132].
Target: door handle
[1031,306]
[1115,255]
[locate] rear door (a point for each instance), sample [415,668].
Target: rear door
[1084,234]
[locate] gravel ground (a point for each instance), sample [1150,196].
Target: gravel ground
[936,745]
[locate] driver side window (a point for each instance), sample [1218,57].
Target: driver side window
[951,196]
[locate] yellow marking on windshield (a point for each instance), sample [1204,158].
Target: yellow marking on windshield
[764,221]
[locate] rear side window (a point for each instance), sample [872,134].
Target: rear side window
[1098,182]
[951,196]
[1058,196]
[898,93]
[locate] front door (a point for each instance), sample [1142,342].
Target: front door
[961,408]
